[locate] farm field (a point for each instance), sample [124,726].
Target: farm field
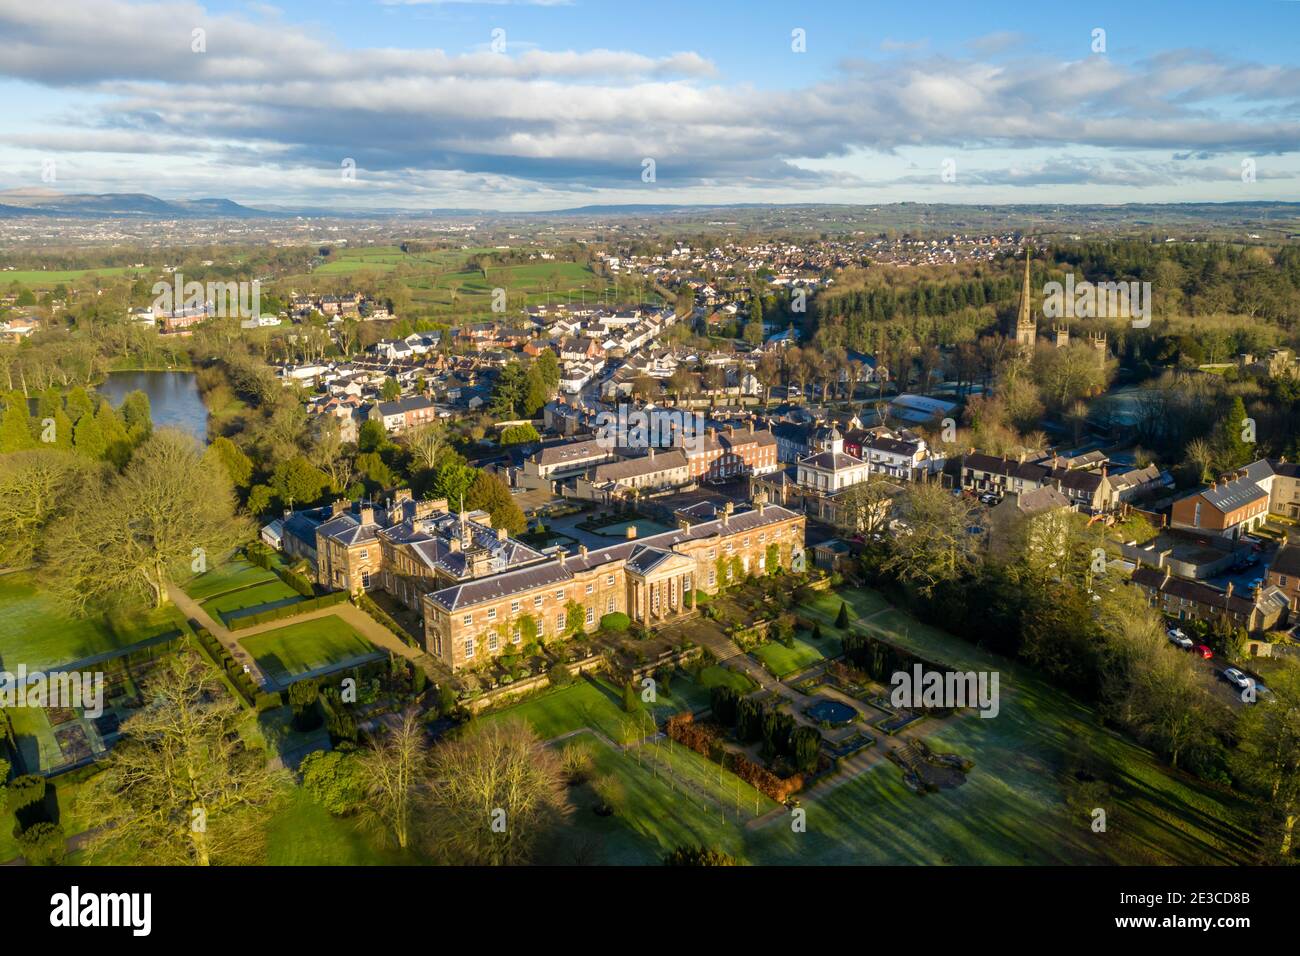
[48,278]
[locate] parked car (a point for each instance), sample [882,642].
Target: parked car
[1178,638]
[1234,676]
[1204,651]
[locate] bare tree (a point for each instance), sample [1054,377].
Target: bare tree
[396,767]
[496,791]
[182,787]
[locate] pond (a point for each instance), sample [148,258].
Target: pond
[828,711]
[174,398]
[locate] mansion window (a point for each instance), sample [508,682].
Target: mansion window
[537,601]
[492,614]
[469,647]
[609,580]
[591,615]
[591,588]
[467,620]
[492,641]
[609,605]
[559,623]
[514,607]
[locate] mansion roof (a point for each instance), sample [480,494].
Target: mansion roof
[558,571]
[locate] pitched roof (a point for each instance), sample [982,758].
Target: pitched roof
[1195,591]
[554,572]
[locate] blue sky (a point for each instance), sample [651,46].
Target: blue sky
[938,102]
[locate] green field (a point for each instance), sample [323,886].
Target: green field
[782,660]
[227,576]
[691,804]
[1013,807]
[717,676]
[597,705]
[303,833]
[47,278]
[438,280]
[37,631]
[274,591]
[288,652]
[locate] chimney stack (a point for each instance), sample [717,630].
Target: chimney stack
[368,515]
[582,550]
[1228,590]
[631,532]
[501,535]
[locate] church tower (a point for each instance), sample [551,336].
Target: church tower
[1026,326]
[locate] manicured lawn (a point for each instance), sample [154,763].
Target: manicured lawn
[287,652]
[35,738]
[274,592]
[715,675]
[1013,807]
[782,660]
[303,833]
[661,810]
[598,705]
[227,576]
[37,631]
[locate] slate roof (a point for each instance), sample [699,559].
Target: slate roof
[555,572]
[1010,467]
[1231,495]
[1195,591]
[832,461]
[574,451]
[643,465]
[1287,561]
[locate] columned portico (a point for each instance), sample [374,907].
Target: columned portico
[659,593]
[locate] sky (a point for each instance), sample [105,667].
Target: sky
[422,104]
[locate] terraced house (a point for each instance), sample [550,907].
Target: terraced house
[650,580]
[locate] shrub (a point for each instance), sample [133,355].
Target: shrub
[698,737]
[699,856]
[43,844]
[25,797]
[576,763]
[335,780]
[560,675]
[805,745]
[617,621]
[842,619]
[724,702]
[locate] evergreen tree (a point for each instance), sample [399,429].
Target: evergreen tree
[16,425]
[88,437]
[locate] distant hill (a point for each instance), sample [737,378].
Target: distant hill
[51,203]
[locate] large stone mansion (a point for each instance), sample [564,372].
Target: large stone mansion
[474,585]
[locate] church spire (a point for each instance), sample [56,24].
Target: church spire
[1026,333]
[1025,317]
